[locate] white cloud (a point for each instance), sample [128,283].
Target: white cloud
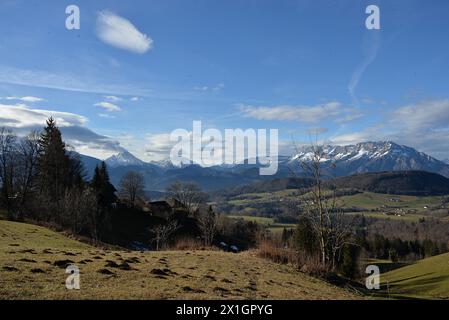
[113,98]
[121,33]
[110,107]
[158,146]
[202,88]
[431,114]
[105,115]
[215,88]
[307,114]
[355,137]
[21,116]
[22,119]
[423,125]
[26,99]
[134,99]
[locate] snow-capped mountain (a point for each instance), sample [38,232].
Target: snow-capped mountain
[124,158]
[373,157]
[344,160]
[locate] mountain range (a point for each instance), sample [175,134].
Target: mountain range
[347,160]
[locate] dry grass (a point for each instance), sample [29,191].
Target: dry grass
[274,252]
[28,255]
[190,244]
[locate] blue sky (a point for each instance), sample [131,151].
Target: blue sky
[135,72]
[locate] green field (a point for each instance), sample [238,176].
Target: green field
[33,260]
[267,222]
[424,279]
[375,205]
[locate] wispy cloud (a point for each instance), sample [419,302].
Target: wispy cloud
[66,82]
[105,115]
[110,107]
[113,98]
[370,48]
[307,114]
[215,88]
[121,33]
[25,99]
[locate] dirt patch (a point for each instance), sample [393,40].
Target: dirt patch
[63,263]
[125,266]
[111,264]
[37,270]
[189,289]
[10,269]
[159,272]
[28,251]
[27,260]
[106,271]
[226,281]
[210,277]
[133,260]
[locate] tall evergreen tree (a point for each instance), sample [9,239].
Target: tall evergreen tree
[103,188]
[53,163]
[105,196]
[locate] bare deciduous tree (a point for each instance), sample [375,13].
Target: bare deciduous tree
[332,229]
[208,223]
[8,151]
[188,195]
[132,186]
[28,159]
[161,233]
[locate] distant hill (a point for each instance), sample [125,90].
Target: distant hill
[402,182]
[267,186]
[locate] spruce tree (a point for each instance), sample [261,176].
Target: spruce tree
[105,196]
[53,163]
[104,190]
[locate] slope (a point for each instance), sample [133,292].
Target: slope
[33,261]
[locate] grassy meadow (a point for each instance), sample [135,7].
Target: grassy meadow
[33,261]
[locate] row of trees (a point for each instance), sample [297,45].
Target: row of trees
[397,249]
[41,180]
